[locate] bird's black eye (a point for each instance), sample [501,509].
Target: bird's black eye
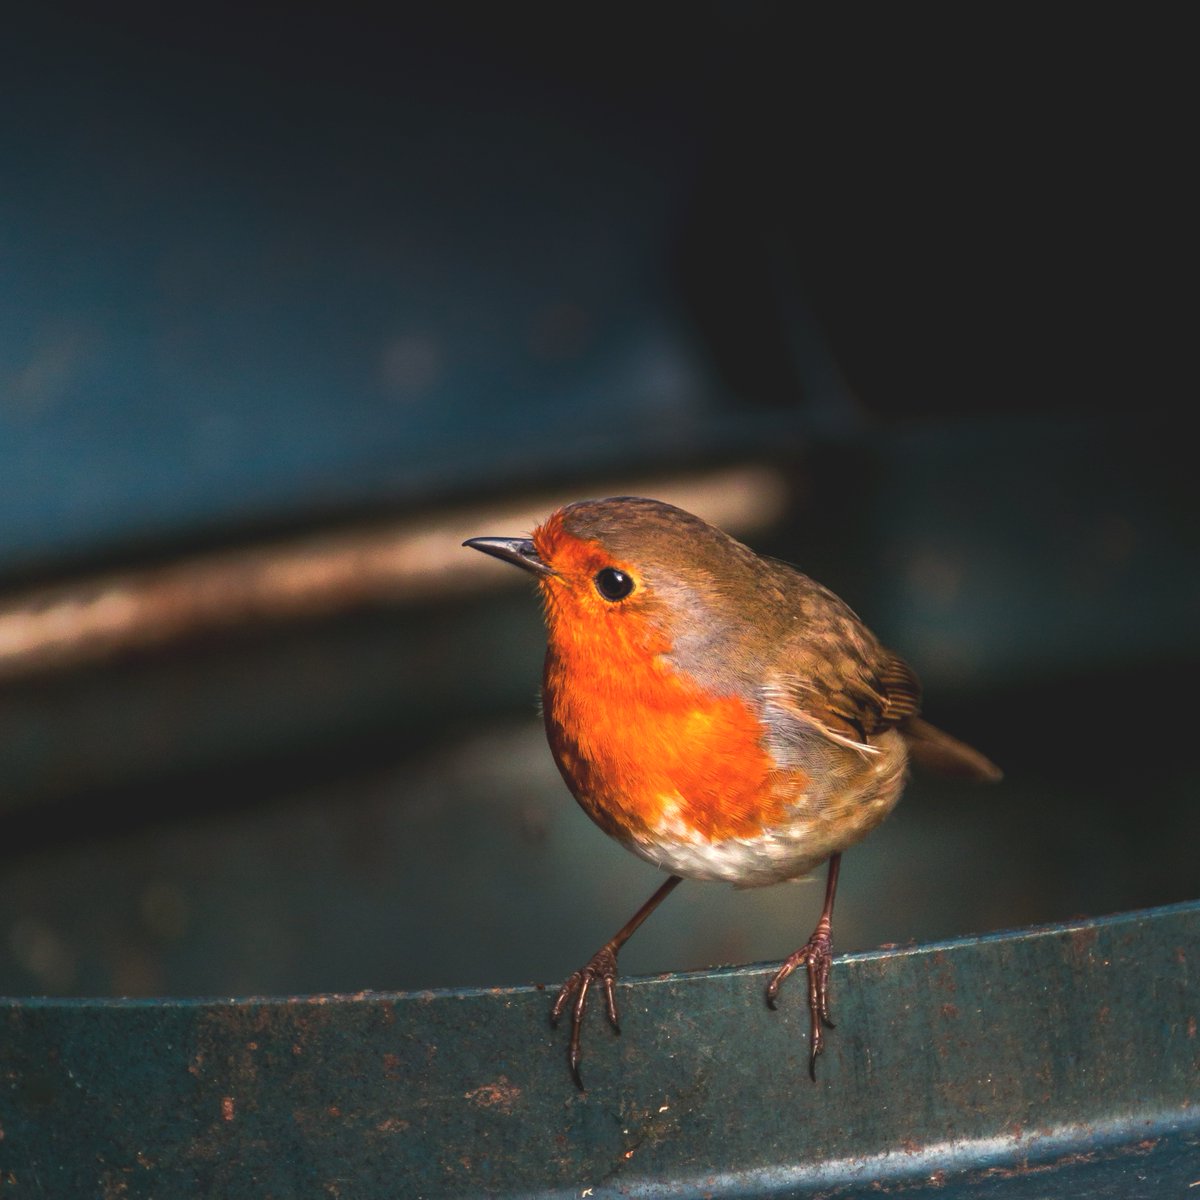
[613,584]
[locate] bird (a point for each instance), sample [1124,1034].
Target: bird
[719,713]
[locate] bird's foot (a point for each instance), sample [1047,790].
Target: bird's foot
[602,967]
[817,955]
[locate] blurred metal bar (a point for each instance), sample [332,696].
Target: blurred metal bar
[1049,1062]
[390,562]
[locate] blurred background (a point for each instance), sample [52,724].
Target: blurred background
[292,301]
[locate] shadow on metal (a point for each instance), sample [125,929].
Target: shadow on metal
[1053,1061]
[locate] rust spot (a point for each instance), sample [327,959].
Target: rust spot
[1180,957]
[392,1125]
[1145,1146]
[949,1010]
[297,1049]
[144,1161]
[1104,1015]
[114,1186]
[1,1133]
[391,1063]
[501,1094]
[1083,940]
[251,1045]
[196,1063]
[1191,1027]
[333,1111]
[938,1179]
[1025,1167]
[226,1108]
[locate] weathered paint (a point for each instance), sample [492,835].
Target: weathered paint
[1055,1061]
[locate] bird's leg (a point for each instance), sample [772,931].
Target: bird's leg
[602,967]
[817,955]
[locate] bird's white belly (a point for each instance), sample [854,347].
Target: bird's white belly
[770,857]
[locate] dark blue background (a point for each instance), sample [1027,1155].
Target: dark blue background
[270,270]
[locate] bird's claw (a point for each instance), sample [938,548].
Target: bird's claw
[602,967]
[817,955]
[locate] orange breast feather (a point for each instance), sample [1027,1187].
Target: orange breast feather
[643,749]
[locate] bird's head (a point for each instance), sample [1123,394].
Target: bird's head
[629,566]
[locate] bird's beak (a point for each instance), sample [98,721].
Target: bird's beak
[518,551]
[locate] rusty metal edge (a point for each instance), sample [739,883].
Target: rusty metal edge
[745,971]
[1059,1059]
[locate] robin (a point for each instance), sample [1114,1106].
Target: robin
[720,714]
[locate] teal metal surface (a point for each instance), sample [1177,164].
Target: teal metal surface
[1060,1061]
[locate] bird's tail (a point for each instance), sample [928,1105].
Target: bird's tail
[931,748]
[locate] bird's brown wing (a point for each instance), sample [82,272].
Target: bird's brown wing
[836,679]
[848,696]
[833,677]
[831,668]
[862,705]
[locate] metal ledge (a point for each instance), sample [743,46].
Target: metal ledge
[1053,1061]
